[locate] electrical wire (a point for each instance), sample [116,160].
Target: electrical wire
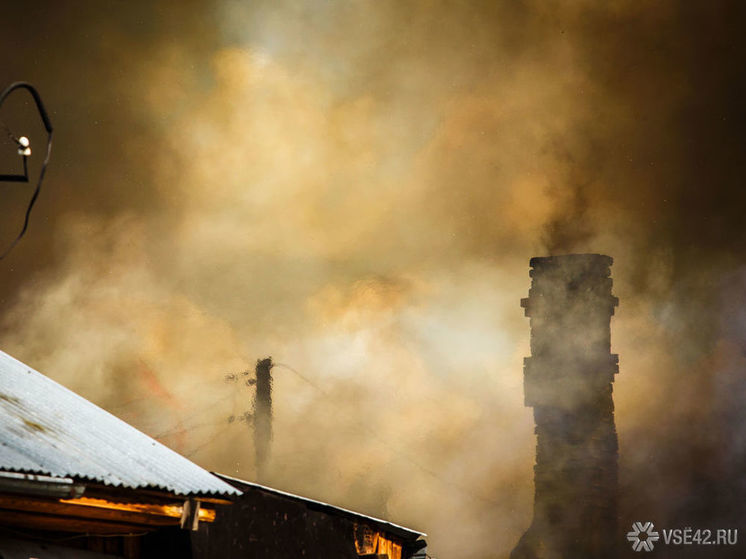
[398,452]
[180,391]
[178,429]
[208,442]
[183,429]
[24,178]
[300,376]
[182,426]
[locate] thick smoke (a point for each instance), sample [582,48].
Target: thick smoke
[356,189]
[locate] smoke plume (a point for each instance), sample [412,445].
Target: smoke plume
[356,190]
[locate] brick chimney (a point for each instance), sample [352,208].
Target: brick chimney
[568,382]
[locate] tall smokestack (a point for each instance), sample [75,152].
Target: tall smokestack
[263,415]
[568,381]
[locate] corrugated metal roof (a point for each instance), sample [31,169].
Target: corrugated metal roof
[384,525]
[47,429]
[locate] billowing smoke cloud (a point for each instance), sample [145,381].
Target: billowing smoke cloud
[356,189]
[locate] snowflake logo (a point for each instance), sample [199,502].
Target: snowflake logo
[643,536]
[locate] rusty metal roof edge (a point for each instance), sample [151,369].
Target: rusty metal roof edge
[395,528]
[231,491]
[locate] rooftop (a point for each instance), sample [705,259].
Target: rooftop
[49,430]
[406,534]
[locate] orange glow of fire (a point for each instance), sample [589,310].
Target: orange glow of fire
[171,511]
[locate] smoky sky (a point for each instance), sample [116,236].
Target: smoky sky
[356,188]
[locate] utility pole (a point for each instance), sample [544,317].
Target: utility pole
[263,416]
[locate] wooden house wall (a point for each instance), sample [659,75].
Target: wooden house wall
[260,525]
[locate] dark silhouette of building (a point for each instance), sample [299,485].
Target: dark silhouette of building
[77,482]
[265,523]
[568,382]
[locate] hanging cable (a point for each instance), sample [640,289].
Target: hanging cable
[24,149]
[381,440]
